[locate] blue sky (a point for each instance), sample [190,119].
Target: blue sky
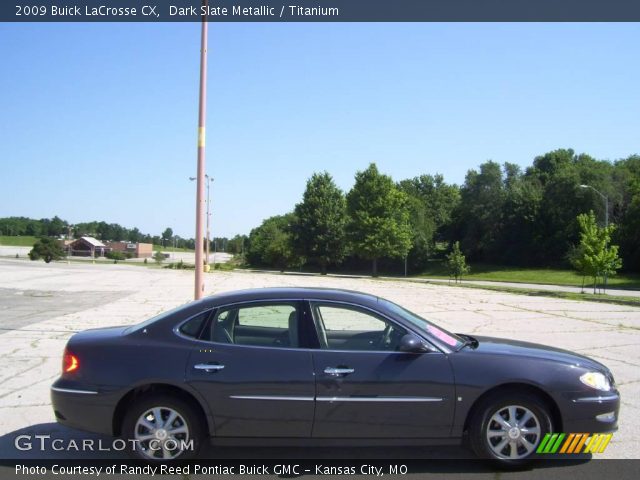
[98,121]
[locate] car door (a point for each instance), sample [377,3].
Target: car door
[257,380]
[365,388]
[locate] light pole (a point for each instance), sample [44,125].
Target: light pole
[209,182]
[202,115]
[606,217]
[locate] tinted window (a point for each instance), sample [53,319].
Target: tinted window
[272,325]
[193,327]
[440,333]
[347,328]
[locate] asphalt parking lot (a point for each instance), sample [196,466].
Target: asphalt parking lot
[42,305]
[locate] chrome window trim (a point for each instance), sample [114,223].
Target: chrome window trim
[436,347]
[72,390]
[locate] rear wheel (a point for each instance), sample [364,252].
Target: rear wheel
[162,428]
[509,428]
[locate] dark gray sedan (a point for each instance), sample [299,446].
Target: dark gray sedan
[322,367]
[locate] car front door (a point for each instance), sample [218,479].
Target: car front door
[254,375]
[366,388]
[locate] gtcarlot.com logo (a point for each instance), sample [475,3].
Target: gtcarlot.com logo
[574,443]
[46,443]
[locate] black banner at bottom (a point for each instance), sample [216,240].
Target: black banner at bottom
[552,468]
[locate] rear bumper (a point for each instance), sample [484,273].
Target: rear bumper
[83,408]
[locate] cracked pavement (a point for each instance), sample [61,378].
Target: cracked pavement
[42,305]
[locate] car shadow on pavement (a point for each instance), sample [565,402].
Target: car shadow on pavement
[52,441]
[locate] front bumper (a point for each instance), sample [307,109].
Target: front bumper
[83,408]
[590,412]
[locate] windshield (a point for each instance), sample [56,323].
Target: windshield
[449,339]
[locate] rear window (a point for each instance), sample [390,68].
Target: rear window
[193,327]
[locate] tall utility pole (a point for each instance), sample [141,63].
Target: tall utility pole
[202,116]
[209,182]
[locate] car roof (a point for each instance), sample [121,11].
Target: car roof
[292,293]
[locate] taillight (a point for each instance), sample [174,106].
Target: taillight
[70,362]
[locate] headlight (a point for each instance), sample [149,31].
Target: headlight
[596,380]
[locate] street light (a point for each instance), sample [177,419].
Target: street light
[606,203]
[202,115]
[606,216]
[209,182]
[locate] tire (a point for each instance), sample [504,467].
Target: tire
[494,435]
[158,441]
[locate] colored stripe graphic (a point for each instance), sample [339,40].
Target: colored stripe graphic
[574,443]
[544,441]
[597,443]
[585,436]
[555,447]
[567,442]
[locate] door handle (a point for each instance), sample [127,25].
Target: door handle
[208,367]
[338,371]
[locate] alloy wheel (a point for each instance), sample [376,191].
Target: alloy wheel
[513,432]
[161,433]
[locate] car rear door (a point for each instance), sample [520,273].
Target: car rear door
[367,389]
[257,380]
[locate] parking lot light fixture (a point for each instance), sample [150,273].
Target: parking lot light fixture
[202,115]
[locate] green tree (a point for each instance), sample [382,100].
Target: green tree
[237,244]
[379,217]
[158,257]
[431,204]
[46,248]
[594,255]
[479,216]
[320,221]
[457,263]
[167,235]
[270,244]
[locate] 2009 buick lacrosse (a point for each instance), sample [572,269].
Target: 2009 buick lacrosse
[321,366]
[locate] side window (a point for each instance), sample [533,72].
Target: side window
[193,326]
[346,328]
[272,325]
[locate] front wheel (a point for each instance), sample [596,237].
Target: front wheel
[162,428]
[509,428]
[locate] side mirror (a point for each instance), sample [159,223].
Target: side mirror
[412,344]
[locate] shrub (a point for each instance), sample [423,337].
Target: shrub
[46,248]
[115,255]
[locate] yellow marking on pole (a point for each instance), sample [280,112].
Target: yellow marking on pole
[606,442]
[567,442]
[581,442]
[201,136]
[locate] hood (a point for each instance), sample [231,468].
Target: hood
[503,346]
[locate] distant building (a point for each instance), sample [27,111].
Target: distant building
[88,247]
[137,250]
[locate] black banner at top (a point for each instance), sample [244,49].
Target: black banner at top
[320,10]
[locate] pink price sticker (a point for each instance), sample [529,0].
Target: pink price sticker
[440,335]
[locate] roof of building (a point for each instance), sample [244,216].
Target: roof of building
[93,241]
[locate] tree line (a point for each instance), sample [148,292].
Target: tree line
[501,214]
[103,231]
